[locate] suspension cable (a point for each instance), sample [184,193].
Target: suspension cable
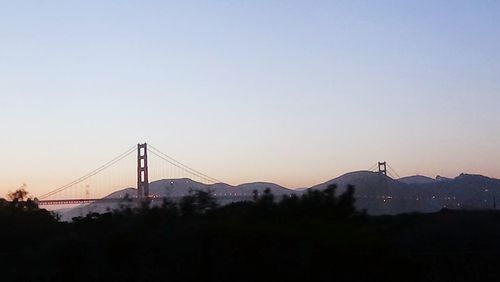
[394,171]
[184,169]
[180,165]
[90,174]
[373,167]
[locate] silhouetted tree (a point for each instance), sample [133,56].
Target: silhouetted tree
[346,202]
[19,195]
[197,203]
[20,199]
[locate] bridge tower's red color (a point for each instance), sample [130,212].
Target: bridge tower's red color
[382,168]
[142,171]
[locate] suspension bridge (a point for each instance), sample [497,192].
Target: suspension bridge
[118,173]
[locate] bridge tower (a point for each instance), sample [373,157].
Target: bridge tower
[382,168]
[142,171]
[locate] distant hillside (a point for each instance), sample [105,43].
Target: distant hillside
[375,193]
[379,194]
[176,188]
[360,179]
[417,179]
[181,187]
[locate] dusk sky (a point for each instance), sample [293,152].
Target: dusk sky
[291,92]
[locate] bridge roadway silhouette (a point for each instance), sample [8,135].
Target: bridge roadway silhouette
[227,198]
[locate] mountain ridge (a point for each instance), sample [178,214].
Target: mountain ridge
[374,192]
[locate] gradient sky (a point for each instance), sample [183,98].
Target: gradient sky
[292,92]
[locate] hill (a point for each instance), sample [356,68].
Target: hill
[176,188]
[417,179]
[375,193]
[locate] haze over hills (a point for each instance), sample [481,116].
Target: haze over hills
[374,192]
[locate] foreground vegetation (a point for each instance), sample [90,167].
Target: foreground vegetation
[316,237]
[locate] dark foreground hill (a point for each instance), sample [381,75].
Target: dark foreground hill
[315,237]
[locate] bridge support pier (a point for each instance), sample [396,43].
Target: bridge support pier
[142,171]
[382,168]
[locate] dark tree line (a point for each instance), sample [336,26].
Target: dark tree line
[318,236]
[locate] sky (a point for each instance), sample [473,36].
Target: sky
[291,92]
